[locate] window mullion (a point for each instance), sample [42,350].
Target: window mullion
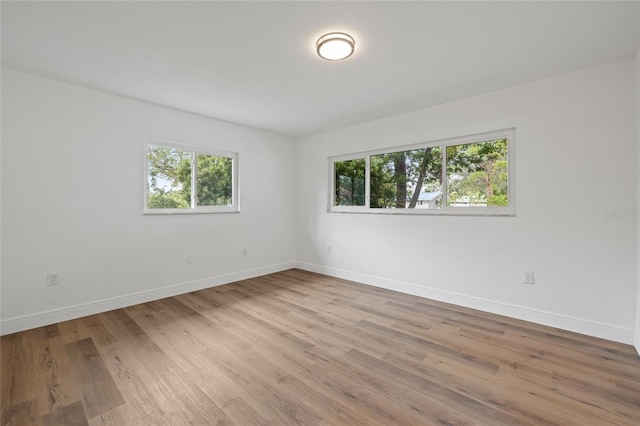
[367,182]
[194,174]
[443,180]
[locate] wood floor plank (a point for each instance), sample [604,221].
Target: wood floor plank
[17,371]
[501,392]
[318,332]
[42,360]
[54,376]
[396,403]
[296,347]
[99,334]
[143,406]
[429,346]
[22,413]
[244,325]
[442,396]
[283,378]
[97,389]
[166,382]
[204,371]
[264,393]
[74,330]
[70,415]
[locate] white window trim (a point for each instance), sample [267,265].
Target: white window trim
[195,209]
[510,210]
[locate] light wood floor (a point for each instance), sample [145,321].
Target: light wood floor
[298,348]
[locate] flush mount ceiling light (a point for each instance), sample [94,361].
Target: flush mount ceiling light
[335,46]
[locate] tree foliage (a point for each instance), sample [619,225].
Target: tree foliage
[170,174]
[398,178]
[350,182]
[214,180]
[477,173]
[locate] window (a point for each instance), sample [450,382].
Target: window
[470,175]
[395,177]
[184,179]
[350,182]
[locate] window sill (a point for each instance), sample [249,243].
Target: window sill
[165,212]
[461,211]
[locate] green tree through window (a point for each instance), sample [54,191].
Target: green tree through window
[477,173]
[214,180]
[350,182]
[465,175]
[171,179]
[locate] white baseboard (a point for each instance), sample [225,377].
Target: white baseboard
[578,325]
[26,322]
[564,322]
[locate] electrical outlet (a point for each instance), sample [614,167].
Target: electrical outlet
[244,251]
[328,249]
[53,278]
[529,278]
[189,260]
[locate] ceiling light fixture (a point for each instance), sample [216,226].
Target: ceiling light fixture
[335,46]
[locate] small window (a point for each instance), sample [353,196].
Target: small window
[183,179]
[466,175]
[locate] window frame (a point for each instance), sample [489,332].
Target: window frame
[194,208]
[509,134]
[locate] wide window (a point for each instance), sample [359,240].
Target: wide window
[184,179]
[466,175]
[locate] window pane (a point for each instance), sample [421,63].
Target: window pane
[169,178]
[350,182]
[407,179]
[477,174]
[214,180]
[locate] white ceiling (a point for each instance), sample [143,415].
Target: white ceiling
[254,63]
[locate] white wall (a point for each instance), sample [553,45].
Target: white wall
[72,188]
[637,69]
[574,162]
